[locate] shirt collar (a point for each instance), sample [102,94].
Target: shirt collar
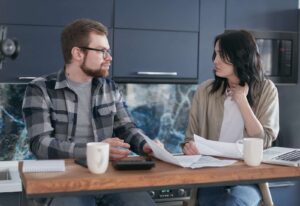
[61,80]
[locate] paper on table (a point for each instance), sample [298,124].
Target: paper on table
[208,161]
[192,161]
[44,166]
[220,149]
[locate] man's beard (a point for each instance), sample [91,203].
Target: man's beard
[92,72]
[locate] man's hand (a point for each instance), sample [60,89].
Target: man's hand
[118,149]
[147,149]
[190,148]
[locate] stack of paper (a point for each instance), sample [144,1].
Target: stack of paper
[192,161]
[44,166]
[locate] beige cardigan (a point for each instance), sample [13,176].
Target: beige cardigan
[206,116]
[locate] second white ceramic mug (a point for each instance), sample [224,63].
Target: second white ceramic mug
[253,151]
[97,155]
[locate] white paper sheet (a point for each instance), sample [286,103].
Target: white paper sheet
[44,166]
[217,148]
[191,161]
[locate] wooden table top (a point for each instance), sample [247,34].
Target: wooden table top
[77,179]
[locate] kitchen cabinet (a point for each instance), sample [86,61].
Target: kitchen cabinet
[142,56]
[40,53]
[212,23]
[285,193]
[274,24]
[275,15]
[54,13]
[38,33]
[178,15]
[156,41]
[170,36]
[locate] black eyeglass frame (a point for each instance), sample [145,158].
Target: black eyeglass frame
[104,51]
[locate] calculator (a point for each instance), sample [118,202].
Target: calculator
[133,164]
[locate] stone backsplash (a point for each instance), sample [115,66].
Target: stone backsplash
[160,110]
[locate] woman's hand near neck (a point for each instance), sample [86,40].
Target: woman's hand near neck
[239,95]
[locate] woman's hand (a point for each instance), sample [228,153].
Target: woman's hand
[252,125]
[190,148]
[239,93]
[118,149]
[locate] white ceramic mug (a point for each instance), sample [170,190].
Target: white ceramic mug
[253,151]
[97,155]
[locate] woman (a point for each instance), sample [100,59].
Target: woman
[238,103]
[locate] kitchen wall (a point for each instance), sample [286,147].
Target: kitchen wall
[289,108]
[166,103]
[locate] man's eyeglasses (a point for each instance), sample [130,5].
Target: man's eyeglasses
[105,52]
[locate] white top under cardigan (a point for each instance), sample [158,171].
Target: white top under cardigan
[232,128]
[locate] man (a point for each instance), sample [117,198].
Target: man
[65,110]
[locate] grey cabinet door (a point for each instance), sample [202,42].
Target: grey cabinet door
[179,15]
[37,26]
[156,41]
[160,53]
[40,52]
[285,193]
[54,13]
[212,14]
[276,15]
[10,199]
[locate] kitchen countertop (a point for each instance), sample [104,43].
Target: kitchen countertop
[14,183]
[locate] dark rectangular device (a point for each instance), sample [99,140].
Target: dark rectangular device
[133,164]
[130,164]
[81,162]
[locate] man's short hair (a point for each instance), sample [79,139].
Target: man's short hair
[77,33]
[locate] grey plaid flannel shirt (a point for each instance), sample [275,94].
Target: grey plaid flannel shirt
[50,113]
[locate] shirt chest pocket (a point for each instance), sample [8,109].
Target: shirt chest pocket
[105,120]
[107,111]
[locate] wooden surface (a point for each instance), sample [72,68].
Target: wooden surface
[77,179]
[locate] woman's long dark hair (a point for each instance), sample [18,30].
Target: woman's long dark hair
[240,49]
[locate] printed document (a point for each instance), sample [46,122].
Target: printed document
[191,161]
[220,149]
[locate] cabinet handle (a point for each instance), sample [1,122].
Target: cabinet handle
[27,78]
[158,73]
[281,184]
